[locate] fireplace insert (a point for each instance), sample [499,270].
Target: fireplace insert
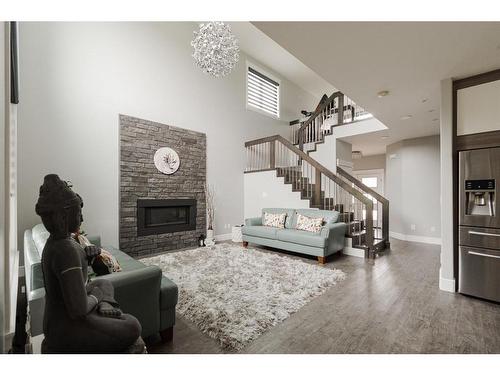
[156,216]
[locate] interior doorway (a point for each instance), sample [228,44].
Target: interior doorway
[374,179]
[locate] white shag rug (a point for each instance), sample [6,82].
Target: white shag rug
[235,294]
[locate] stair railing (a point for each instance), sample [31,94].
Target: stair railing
[338,110]
[313,129]
[380,203]
[323,188]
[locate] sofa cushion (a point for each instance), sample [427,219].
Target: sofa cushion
[274,220]
[302,237]
[260,231]
[328,216]
[289,214]
[309,224]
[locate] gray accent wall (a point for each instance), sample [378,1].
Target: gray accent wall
[139,179]
[413,186]
[78,78]
[344,151]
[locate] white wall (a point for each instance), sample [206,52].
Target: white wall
[77,78]
[413,188]
[264,189]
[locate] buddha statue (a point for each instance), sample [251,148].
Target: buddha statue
[80,316]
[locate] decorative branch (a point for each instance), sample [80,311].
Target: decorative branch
[210,197]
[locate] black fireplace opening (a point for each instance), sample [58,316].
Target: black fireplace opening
[156,216]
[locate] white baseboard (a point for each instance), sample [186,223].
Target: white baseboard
[412,238]
[223,237]
[354,252]
[448,285]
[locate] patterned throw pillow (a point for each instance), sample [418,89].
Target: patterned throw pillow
[274,220]
[310,224]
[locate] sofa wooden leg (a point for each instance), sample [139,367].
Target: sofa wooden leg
[245,244]
[321,260]
[167,335]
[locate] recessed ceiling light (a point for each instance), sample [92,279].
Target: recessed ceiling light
[407,117]
[382,93]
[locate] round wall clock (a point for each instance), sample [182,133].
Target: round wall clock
[166,160]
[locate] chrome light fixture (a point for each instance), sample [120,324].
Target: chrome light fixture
[216,49]
[356,155]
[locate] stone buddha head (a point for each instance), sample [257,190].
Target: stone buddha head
[59,207]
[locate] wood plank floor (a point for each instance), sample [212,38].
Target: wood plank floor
[392,305]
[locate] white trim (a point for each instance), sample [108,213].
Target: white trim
[265,72]
[223,237]
[447,285]
[354,252]
[412,238]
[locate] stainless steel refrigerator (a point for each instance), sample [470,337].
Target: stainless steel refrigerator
[479,223]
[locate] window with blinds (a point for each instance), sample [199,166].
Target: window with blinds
[263,93]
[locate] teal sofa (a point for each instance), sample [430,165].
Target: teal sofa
[328,241]
[139,289]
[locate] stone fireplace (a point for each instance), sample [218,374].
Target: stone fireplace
[160,212]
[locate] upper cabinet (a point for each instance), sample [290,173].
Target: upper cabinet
[478,108]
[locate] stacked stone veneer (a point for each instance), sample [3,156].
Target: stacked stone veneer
[139,178]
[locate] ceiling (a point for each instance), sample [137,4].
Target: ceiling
[407,58]
[266,51]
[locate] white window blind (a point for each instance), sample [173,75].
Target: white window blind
[263,93]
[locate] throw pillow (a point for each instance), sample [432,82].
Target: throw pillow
[309,224]
[274,220]
[104,263]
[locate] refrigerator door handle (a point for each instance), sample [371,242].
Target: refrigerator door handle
[484,234]
[484,255]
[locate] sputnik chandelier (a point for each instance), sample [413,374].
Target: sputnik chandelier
[216,50]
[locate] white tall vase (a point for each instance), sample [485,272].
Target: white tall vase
[210,238]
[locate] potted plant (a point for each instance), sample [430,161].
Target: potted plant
[210,197]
